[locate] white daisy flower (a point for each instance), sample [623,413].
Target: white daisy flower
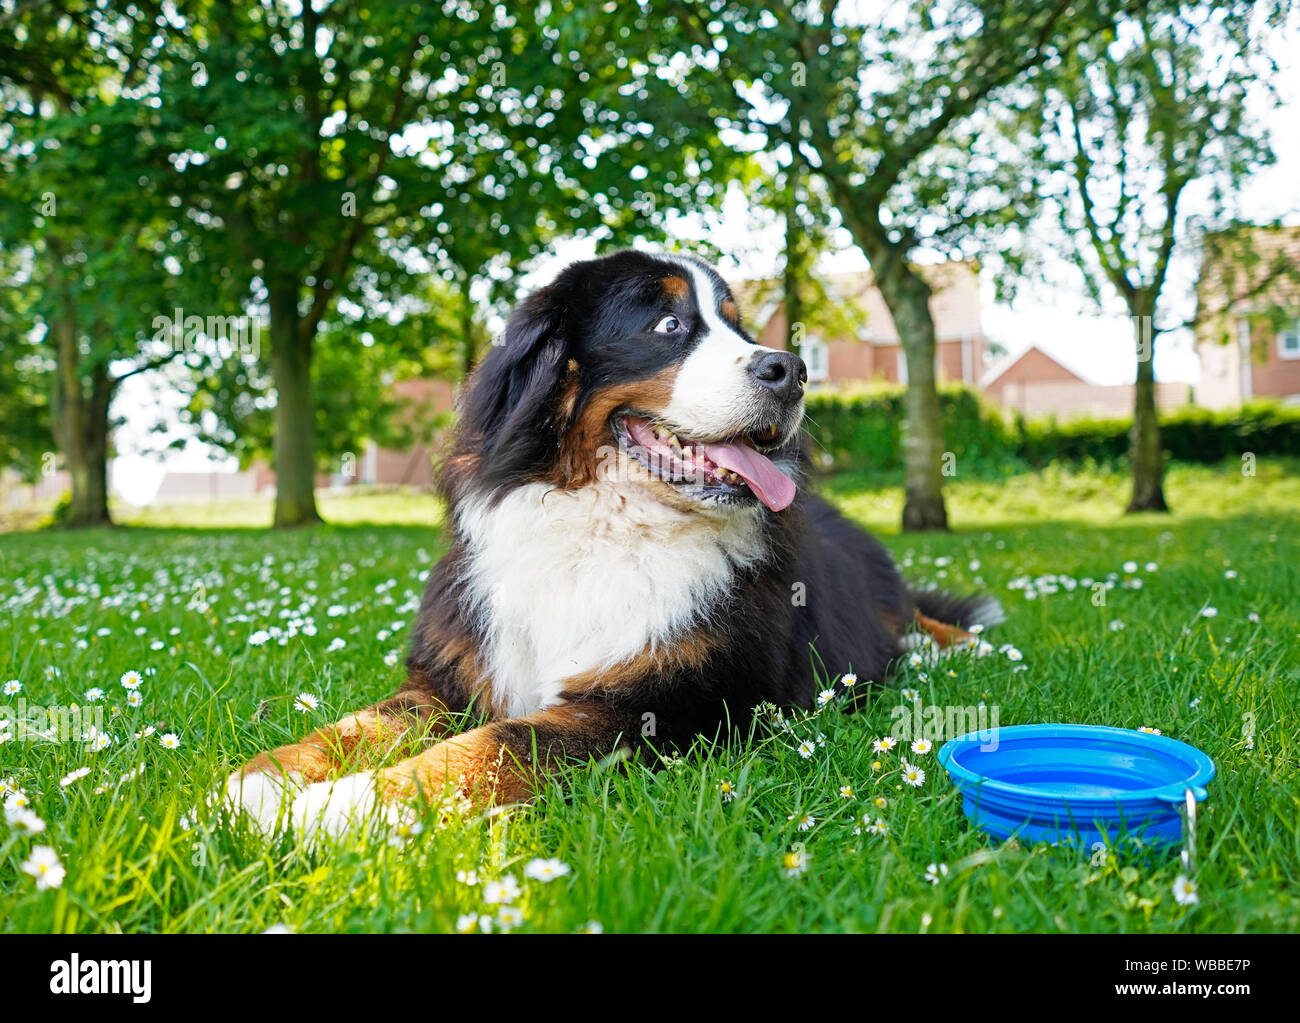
[804,822]
[337,643]
[74,776]
[806,749]
[1185,891]
[169,740]
[935,872]
[1149,730]
[134,698]
[884,745]
[849,681]
[23,817]
[305,702]
[391,658]
[1210,612]
[13,687]
[727,791]
[545,870]
[794,863]
[509,917]
[846,791]
[502,891]
[922,746]
[913,775]
[466,922]
[132,680]
[259,638]
[97,740]
[825,697]
[45,866]
[911,694]
[94,694]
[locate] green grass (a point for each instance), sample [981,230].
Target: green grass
[661,850]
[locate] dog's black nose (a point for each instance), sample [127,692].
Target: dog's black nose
[782,372]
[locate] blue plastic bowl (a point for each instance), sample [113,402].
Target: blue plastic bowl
[1076,783]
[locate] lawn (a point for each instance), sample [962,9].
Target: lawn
[1197,636]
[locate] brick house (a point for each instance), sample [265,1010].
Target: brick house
[1035,384]
[1248,322]
[874,351]
[429,404]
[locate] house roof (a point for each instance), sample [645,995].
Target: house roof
[955,302]
[1009,362]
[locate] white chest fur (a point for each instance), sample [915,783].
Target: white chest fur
[568,582]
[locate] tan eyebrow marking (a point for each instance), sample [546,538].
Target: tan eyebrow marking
[730,312]
[675,287]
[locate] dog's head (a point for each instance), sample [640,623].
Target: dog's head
[633,368]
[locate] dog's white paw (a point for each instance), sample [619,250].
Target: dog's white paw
[332,807]
[262,797]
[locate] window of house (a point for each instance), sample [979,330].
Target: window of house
[817,357]
[1288,342]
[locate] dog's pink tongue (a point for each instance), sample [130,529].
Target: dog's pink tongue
[773,487]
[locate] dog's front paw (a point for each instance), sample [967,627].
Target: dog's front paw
[332,807]
[262,797]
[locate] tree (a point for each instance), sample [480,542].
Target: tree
[1133,120]
[80,242]
[341,153]
[867,99]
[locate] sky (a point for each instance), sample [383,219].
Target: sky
[1059,319]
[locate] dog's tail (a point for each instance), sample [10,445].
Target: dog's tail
[960,612]
[948,619]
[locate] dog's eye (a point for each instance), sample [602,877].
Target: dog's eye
[668,325]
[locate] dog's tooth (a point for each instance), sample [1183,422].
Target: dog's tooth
[688,453]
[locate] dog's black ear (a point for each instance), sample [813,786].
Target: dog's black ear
[508,410]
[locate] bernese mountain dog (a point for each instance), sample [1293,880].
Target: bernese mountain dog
[633,561]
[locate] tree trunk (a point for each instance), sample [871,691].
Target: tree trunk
[792,295]
[80,424]
[469,331]
[907,297]
[923,449]
[295,422]
[1145,449]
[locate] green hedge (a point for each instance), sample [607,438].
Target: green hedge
[860,430]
